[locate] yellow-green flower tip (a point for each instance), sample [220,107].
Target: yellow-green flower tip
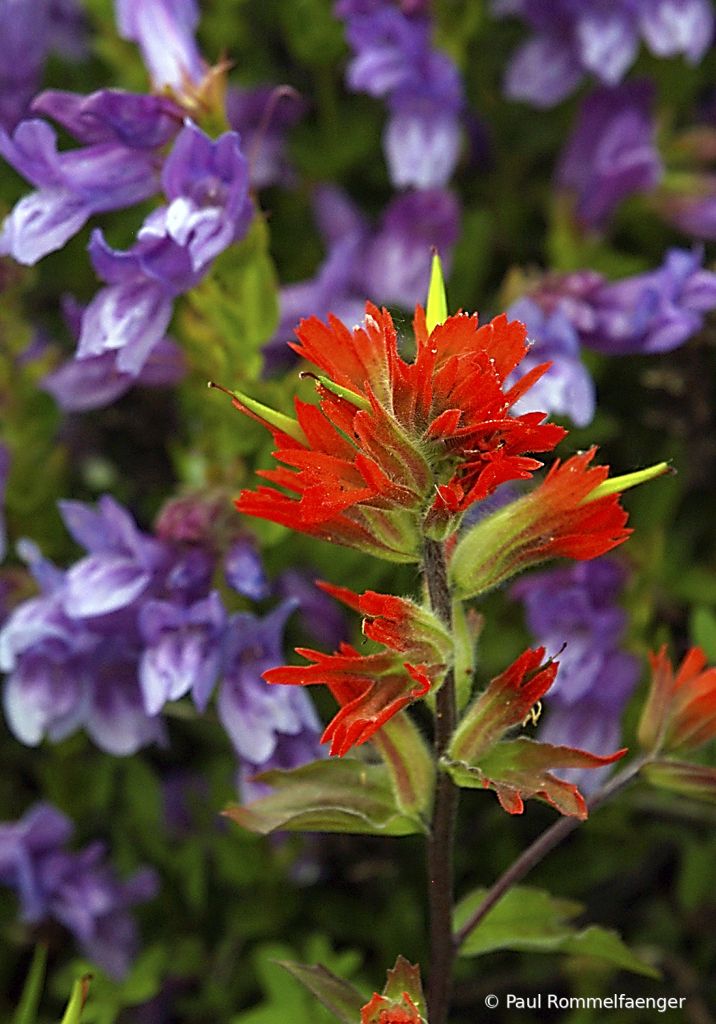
[436,311]
[617,484]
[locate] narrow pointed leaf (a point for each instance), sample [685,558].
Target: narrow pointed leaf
[78,998]
[272,416]
[26,1011]
[340,997]
[335,795]
[617,484]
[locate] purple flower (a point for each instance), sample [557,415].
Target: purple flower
[254,713]
[76,889]
[30,28]
[71,186]
[206,183]
[81,384]
[688,202]
[572,611]
[183,650]
[566,389]
[244,570]
[611,153]
[40,831]
[398,257]
[574,37]
[164,31]
[653,312]
[393,59]
[262,117]
[92,383]
[121,564]
[113,115]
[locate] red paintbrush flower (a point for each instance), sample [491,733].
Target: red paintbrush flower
[566,515]
[395,450]
[372,688]
[680,712]
[519,768]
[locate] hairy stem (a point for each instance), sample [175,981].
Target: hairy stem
[549,839]
[441,839]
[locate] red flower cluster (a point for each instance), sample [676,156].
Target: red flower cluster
[372,688]
[680,711]
[397,450]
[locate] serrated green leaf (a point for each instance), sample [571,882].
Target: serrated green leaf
[527,919]
[335,795]
[337,995]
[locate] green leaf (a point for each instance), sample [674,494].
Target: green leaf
[337,995]
[527,919]
[335,795]
[78,998]
[409,763]
[26,1011]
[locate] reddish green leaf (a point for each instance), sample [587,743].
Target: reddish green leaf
[693,780]
[339,996]
[335,795]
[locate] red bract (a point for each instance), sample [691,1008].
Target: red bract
[504,704]
[680,711]
[558,518]
[372,688]
[398,449]
[384,1011]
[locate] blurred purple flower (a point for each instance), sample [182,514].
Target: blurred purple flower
[113,115]
[262,116]
[653,312]
[390,264]
[206,183]
[574,37]
[121,564]
[321,616]
[81,384]
[566,389]
[30,29]
[575,608]
[688,201]
[255,714]
[71,186]
[399,255]
[183,651]
[244,570]
[611,152]
[394,60]
[76,889]
[164,31]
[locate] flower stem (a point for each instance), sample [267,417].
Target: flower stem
[441,838]
[549,839]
